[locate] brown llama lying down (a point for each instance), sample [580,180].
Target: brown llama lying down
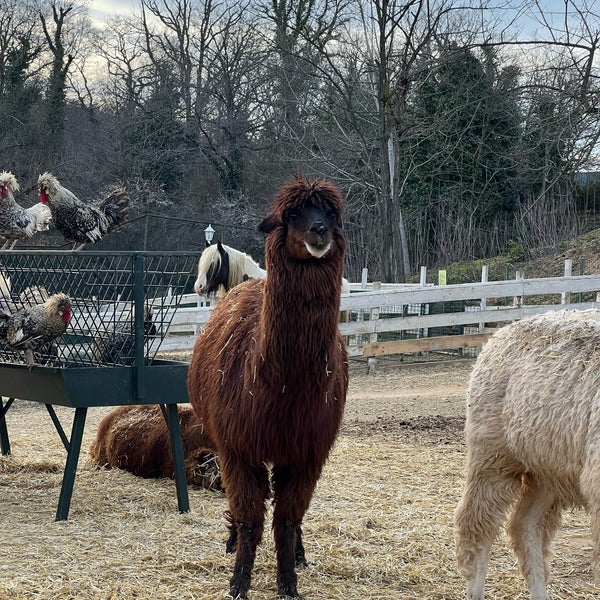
[533,443]
[136,439]
[269,375]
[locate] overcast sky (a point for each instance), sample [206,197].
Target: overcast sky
[101,9]
[527,26]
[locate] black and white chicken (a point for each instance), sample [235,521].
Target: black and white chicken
[16,222]
[116,344]
[33,327]
[82,223]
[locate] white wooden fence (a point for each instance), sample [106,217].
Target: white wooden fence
[404,311]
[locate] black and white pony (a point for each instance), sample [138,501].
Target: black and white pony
[222,267]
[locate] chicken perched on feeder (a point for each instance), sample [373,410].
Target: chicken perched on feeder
[116,344]
[16,222]
[31,328]
[82,223]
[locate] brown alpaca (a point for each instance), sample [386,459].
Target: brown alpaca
[136,439]
[269,375]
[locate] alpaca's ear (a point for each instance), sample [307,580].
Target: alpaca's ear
[206,243]
[269,223]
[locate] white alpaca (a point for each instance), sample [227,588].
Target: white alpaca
[533,442]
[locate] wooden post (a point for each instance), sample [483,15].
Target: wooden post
[518,300]
[423,283]
[364,278]
[483,302]
[565,297]
[352,340]
[372,362]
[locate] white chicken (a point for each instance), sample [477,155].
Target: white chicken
[16,222]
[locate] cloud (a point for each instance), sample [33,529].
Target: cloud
[101,10]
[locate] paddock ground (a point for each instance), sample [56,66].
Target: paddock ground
[379,527]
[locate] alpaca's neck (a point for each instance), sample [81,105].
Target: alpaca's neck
[300,316]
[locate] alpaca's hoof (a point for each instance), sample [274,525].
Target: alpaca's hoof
[288,591]
[301,562]
[238,588]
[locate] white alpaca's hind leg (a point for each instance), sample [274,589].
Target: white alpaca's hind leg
[591,493]
[531,528]
[478,519]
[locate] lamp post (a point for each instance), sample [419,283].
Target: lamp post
[208,234]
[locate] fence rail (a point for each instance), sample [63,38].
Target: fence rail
[418,318]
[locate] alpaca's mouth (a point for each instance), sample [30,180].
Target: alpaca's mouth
[318,249]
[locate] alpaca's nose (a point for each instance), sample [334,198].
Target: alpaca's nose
[319,227]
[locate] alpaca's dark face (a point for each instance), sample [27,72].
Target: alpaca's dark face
[311,231]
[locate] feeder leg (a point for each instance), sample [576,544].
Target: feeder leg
[66,490]
[183,501]
[4,441]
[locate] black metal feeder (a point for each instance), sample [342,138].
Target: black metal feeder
[123,304]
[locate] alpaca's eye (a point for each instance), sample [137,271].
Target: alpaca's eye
[332,216]
[292,216]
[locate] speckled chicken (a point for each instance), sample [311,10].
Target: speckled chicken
[82,223]
[30,328]
[116,344]
[16,222]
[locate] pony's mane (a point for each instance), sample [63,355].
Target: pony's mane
[209,255]
[240,265]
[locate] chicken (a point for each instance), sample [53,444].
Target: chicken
[5,287]
[81,223]
[17,222]
[33,327]
[116,344]
[35,294]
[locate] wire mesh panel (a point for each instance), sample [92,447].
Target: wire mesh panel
[122,303]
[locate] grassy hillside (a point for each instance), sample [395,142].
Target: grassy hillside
[583,250]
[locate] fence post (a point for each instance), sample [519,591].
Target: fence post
[372,361]
[483,302]
[423,307]
[565,297]
[518,300]
[364,278]
[353,340]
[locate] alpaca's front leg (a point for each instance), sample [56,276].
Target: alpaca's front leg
[292,494]
[248,538]
[287,581]
[247,490]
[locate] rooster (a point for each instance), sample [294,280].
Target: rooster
[17,222]
[32,327]
[78,222]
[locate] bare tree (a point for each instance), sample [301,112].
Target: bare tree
[218,58]
[61,61]
[19,88]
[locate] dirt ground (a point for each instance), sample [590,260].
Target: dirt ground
[379,527]
[409,395]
